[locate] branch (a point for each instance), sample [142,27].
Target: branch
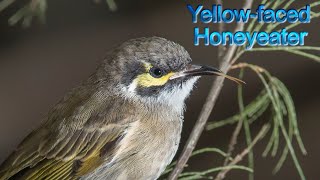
[214,92]
[221,49]
[233,140]
[240,156]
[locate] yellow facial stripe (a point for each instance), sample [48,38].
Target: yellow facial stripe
[146,80]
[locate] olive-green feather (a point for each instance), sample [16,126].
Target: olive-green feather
[79,135]
[98,150]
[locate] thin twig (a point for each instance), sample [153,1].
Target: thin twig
[221,49]
[237,56]
[240,156]
[236,132]
[207,107]
[239,27]
[233,140]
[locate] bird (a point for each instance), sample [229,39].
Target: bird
[123,122]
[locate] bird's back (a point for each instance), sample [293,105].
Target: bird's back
[93,135]
[81,132]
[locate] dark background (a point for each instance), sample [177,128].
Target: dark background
[40,64]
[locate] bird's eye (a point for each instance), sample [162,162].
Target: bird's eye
[156,72]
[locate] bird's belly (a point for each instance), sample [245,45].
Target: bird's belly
[143,155]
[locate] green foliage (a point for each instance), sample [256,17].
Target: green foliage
[112,5]
[198,152]
[252,111]
[205,174]
[254,26]
[274,98]
[293,50]
[246,126]
[35,8]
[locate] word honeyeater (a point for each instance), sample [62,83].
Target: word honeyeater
[123,122]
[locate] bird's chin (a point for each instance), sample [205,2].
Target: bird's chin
[178,93]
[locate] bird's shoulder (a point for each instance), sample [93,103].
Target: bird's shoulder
[81,132]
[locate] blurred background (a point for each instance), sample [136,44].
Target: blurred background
[38,65]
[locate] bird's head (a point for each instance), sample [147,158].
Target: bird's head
[155,70]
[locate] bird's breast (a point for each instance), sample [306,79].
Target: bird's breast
[147,148]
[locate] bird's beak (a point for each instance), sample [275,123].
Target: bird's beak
[201,70]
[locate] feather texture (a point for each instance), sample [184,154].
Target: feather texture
[108,128]
[78,137]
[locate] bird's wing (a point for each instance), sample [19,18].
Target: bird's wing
[57,149]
